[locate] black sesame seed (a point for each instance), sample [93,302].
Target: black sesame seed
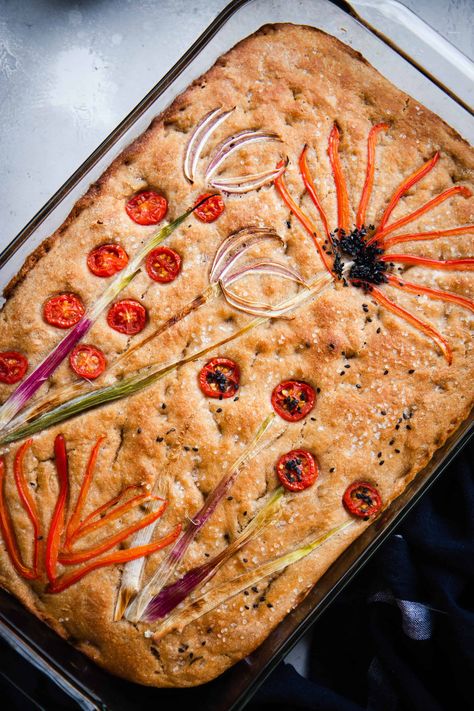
[378,330]
[379,455]
[382,412]
[332,470]
[408,427]
[159,439]
[219,409]
[397,451]
[411,371]
[347,366]
[163,405]
[269,604]
[385,372]
[358,386]
[381,462]
[391,442]
[397,427]
[318,390]
[186,448]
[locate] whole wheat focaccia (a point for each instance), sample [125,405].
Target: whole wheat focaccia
[330,276]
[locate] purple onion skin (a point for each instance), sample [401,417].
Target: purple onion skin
[35,380]
[168,598]
[202,516]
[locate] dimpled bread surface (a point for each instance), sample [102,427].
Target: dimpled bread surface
[387,398]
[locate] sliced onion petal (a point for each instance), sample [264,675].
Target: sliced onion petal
[245,183]
[263,266]
[234,143]
[199,138]
[236,245]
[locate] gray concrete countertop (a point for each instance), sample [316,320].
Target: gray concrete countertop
[70,72]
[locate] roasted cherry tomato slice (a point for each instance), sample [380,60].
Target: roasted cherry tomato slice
[147,208]
[107,260]
[63,310]
[87,361]
[293,400]
[13,366]
[211,209]
[220,378]
[362,499]
[297,470]
[127,316]
[163,264]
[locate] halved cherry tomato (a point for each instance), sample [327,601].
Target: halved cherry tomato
[211,209]
[362,499]
[163,264]
[147,208]
[107,260]
[297,470]
[293,400]
[87,361]
[127,316]
[63,310]
[220,378]
[13,366]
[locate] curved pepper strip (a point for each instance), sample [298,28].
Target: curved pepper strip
[370,173]
[65,581]
[405,186]
[56,528]
[311,188]
[430,205]
[303,218]
[84,555]
[417,323]
[29,504]
[8,534]
[429,291]
[339,180]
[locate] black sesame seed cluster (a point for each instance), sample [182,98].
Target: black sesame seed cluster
[367,268]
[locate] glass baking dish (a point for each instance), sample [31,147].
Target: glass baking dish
[405,50]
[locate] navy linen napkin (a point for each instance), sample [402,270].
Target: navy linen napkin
[400,637]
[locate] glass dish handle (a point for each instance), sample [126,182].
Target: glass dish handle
[421,44]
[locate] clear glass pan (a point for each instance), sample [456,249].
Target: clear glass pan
[419,61]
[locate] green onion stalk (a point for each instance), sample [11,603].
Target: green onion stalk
[86,401]
[196,608]
[25,391]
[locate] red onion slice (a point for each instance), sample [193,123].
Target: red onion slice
[199,138]
[235,245]
[245,183]
[235,143]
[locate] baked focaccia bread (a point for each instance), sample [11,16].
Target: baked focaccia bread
[239,394]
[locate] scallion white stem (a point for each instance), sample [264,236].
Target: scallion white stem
[175,554]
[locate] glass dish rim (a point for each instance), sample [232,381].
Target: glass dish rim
[421,482]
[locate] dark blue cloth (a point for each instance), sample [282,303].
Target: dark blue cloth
[400,637]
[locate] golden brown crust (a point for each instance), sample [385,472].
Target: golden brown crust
[295,81]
